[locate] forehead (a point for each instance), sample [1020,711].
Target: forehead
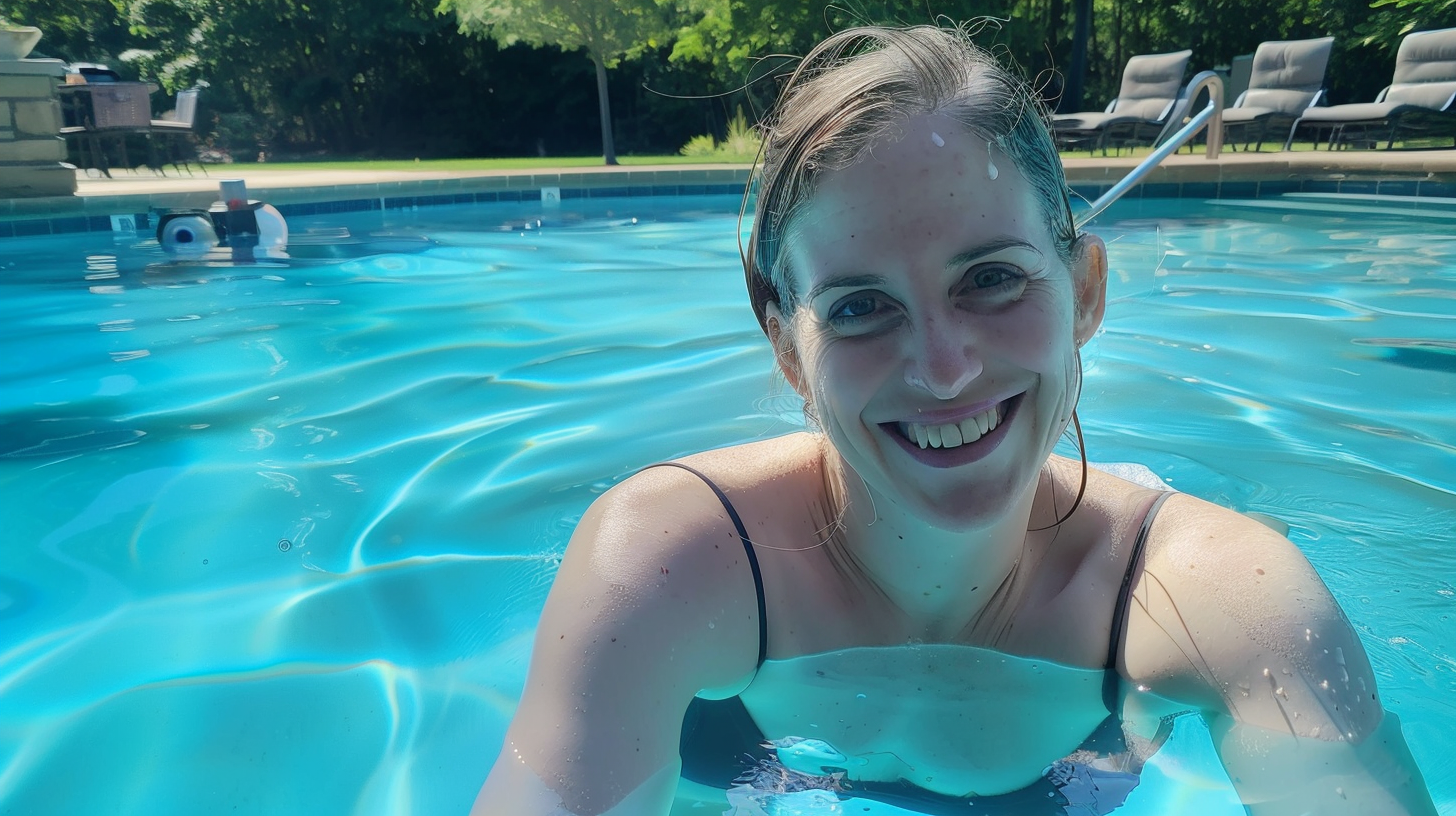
[927,192]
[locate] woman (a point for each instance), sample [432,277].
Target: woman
[918,603]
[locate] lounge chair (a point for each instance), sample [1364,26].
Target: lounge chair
[1285,80]
[1150,85]
[1421,98]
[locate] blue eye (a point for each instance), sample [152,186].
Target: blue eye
[853,309]
[991,276]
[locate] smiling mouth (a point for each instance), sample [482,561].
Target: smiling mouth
[951,435]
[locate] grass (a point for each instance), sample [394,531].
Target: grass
[555,162]
[472,165]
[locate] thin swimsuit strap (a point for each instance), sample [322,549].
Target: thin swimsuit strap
[1111,679]
[747,548]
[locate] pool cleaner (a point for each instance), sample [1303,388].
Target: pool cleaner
[236,222]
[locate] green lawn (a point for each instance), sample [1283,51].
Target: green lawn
[554,162]
[465,165]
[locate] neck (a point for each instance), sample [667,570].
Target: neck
[938,582]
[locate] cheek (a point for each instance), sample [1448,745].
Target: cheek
[1036,338]
[843,375]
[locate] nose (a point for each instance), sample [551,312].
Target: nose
[944,360]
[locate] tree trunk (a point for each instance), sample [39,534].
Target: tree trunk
[604,104]
[1077,74]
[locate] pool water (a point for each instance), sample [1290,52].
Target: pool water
[276,535]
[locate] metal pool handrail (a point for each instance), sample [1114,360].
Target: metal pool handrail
[1174,136]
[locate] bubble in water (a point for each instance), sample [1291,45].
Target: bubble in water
[860,697]
[204,562]
[284,545]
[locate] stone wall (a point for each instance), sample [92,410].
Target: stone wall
[32,152]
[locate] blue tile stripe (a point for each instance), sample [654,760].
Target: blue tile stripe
[60,225]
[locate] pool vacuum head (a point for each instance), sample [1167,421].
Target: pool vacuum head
[235,223]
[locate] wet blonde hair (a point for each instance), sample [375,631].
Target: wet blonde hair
[853,90]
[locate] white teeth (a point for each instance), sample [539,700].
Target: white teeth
[952,435]
[970,431]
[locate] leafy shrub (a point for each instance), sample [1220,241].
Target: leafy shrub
[741,144]
[699,146]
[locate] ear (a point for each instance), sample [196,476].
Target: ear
[1089,283]
[785,353]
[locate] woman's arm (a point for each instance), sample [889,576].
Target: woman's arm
[653,603]
[1230,616]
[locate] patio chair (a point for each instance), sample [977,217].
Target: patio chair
[177,135]
[1421,98]
[1150,85]
[1285,80]
[115,111]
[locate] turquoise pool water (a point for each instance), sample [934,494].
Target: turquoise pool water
[276,536]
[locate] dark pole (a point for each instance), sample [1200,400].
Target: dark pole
[604,104]
[1077,72]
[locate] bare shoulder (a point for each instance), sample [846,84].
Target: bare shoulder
[1229,615]
[656,561]
[652,605]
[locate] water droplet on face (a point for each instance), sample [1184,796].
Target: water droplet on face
[935,137]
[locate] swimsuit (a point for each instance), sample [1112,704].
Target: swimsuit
[722,745]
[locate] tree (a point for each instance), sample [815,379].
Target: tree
[607,30]
[73,30]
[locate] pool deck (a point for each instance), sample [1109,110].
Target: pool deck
[1424,173]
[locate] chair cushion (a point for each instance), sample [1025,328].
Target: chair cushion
[1068,122]
[1150,85]
[1280,100]
[1426,56]
[1357,112]
[1295,65]
[1245,114]
[1433,95]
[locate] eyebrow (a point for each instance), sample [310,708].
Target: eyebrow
[969,256]
[988,249]
[847,282]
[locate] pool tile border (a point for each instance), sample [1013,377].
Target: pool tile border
[105,213]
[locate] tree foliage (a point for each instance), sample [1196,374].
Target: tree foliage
[397,77]
[606,29]
[72,30]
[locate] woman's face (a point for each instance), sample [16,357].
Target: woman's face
[937,329]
